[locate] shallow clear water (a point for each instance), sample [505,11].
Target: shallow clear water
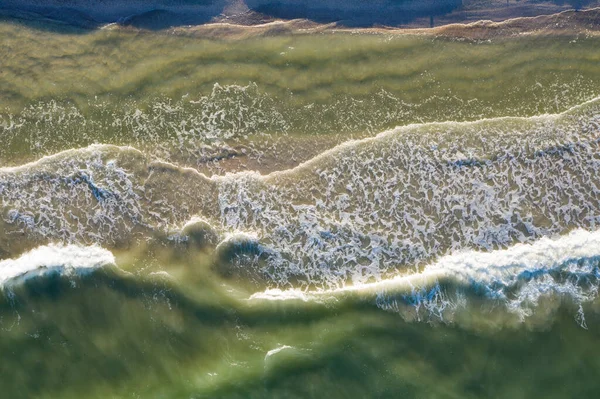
[333,214]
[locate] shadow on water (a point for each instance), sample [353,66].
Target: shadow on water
[63,332]
[85,14]
[415,360]
[575,4]
[356,13]
[107,329]
[162,14]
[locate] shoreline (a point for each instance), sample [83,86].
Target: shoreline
[567,22]
[473,24]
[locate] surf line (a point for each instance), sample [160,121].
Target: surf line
[154,162]
[49,259]
[497,270]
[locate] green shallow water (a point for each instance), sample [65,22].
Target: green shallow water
[316,215]
[112,336]
[193,100]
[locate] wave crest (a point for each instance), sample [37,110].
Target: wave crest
[54,259]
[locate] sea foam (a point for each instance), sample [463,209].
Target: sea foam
[54,259]
[518,276]
[363,212]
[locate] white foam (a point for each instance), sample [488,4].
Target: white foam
[162,274]
[54,259]
[238,238]
[368,212]
[72,153]
[354,143]
[277,350]
[350,144]
[504,266]
[277,294]
[495,271]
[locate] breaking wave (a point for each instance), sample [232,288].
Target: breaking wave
[51,259]
[361,213]
[517,277]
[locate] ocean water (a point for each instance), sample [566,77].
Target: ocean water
[298,214]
